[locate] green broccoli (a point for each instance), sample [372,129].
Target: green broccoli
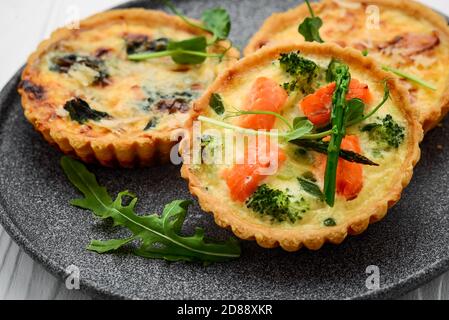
[303,70]
[276,204]
[387,134]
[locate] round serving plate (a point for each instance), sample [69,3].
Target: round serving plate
[410,246]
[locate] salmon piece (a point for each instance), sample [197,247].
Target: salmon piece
[244,179]
[317,107]
[349,174]
[265,95]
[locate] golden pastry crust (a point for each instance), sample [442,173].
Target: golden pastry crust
[41,94]
[431,113]
[295,237]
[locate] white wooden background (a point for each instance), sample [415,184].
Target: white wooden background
[23,24]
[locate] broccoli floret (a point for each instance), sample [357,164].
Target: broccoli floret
[387,134]
[276,204]
[303,70]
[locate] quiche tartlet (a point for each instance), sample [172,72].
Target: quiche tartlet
[285,205]
[400,34]
[80,90]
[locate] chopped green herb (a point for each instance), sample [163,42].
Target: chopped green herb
[80,111]
[365,52]
[151,124]
[160,236]
[216,103]
[329,222]
[311,188]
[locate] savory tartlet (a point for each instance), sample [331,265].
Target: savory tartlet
[80,90]
[285,205]
[399,34]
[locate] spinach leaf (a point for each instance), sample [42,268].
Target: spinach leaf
[160,236]
[216,103]
[81,112]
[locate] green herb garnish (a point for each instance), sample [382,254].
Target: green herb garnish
[329,222]
[216,21]
[410,77]
[310,27]
[190,51]
[80,111]
[160,236]
[311,188]
[323,147]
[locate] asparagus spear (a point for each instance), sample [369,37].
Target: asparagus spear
[343,78]
[323,146]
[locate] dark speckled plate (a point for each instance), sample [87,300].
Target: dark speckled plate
[410,246]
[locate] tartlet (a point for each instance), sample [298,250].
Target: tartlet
[216,185]
[83,94]
[402,34]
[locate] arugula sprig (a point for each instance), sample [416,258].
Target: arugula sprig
[159,236]
[310,27]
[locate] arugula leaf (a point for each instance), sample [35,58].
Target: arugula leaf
[216,103]
[108,246]
[159,236]
[310,27]
[218,22]
[311,188]
[81,112]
